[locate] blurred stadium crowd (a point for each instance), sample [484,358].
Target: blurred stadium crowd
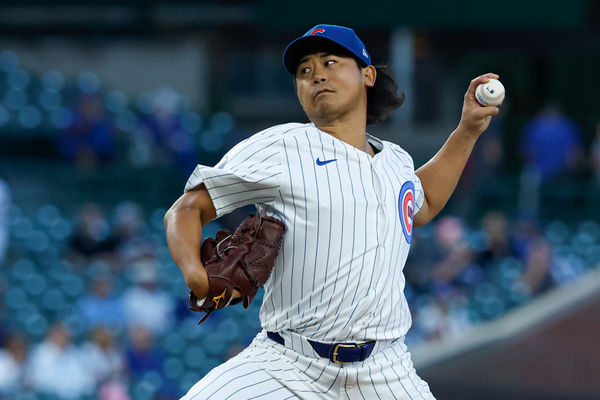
[91,125]
[92,306]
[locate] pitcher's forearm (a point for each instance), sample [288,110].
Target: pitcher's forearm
[440,175]
[184,238]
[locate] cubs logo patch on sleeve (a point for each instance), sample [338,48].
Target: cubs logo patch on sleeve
[406,201]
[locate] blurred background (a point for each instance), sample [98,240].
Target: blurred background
[105,109]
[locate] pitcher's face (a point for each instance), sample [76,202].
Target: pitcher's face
[330,86]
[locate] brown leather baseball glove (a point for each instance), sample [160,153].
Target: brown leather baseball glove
[242,261]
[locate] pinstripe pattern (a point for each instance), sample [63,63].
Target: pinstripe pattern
[350,285]
[339,274]
[268,371]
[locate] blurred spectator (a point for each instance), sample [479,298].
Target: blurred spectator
[4,218]
[101,307]
[90,137]
[498,243]
[438,318]
[173,143]
[104,361]
[551,144]
[145,363]
[58,368]
[12,362]
[141,354]
[419,264]
[92,235]
[113,390]
[490,153]
[526,234]
[450,237]
[480,174]
[129,228]
[595,154]
[486,160]
[146,305]
[537,264]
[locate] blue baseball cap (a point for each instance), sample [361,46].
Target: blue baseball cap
[324,37]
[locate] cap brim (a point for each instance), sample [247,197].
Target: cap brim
[311,44]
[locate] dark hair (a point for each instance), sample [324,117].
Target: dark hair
[382,98]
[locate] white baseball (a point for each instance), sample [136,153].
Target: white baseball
[490,94]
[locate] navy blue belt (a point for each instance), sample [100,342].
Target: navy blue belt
[336,352]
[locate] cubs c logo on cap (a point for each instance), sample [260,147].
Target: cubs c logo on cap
[318,30]
[406,204]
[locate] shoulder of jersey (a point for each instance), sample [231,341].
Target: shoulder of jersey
[399,151]
[279,129]
[272,134]
[267,136]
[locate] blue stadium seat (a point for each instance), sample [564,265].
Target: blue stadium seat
[557,232]
[174,368]
[22,268]
[73,285]
[213,344]
[36,325]
[189,378]
[15,298]
[174,343]
[53,299]
[194,357]
[35,285]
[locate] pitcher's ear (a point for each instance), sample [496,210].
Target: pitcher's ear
[370,74]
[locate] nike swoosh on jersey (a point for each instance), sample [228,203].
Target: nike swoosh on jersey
[319,162]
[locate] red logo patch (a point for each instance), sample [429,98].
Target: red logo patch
[318,30]
[407,211]
[406,206]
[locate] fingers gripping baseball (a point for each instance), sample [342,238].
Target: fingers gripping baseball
[479,80]
[476,118]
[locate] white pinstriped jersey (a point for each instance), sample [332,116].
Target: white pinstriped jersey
[349,216]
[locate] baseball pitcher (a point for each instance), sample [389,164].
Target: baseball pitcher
[336,209]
